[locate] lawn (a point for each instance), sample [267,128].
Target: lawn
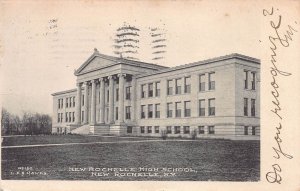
[215,160]
[58,139]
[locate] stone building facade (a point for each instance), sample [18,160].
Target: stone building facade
[215,98]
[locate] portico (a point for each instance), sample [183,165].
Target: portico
[107,86]
[106,92]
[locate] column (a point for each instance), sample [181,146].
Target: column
[86,105]
[133,98]
[111,99]
[102,100]
[163,98]
[174,86]
[78,105]
[194,95]
[93,105]
[121,98]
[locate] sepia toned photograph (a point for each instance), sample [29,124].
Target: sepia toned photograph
[106,91]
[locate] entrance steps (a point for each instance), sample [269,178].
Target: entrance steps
[99,129]
[82,130]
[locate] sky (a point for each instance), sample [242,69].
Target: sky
[42,43]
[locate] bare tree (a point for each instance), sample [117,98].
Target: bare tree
[28,123]
[5,122]
[18,124]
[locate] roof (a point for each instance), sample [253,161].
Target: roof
[208,61]
[64,92]
[118,60]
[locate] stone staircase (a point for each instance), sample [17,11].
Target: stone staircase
[101,130]
[82,130]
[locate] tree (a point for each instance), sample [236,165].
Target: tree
[18,124]
[28,123]
[5,122]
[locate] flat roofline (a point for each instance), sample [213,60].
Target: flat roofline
[64,92]
[203,62]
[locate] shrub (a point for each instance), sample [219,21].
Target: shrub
[164,134]
[194,134]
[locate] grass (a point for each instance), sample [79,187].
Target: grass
[56,139]
[217,160]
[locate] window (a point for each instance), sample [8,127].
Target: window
[107,96]
[73,101]
[128,92]
[245,130]
[66,117]
[150,90]
[58,117]
[169,129]
[245,106]
[117,113]
[149,129]
[150,111]
[201,129]
[211,129]
[157,89]
[82,116]
[143,91]
[157,110]
[143,111]
[211,81]
[73,116]
[129,129]
[253,107]
[253,81]
[107,111]
[70,102]
[177,129]
[178,109]
[201,107]
[67,102]
[211,106]
[156,129]
[187,85]
[253,130]
[202,82]
[70,118]
[58,102]
[178,86]
[187,109]
[62,103]
[117,94]
[169,109]
[170,87]
[246,79]
[127,109]
[61,117]
[82,100]
[142,129]
[186,129]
